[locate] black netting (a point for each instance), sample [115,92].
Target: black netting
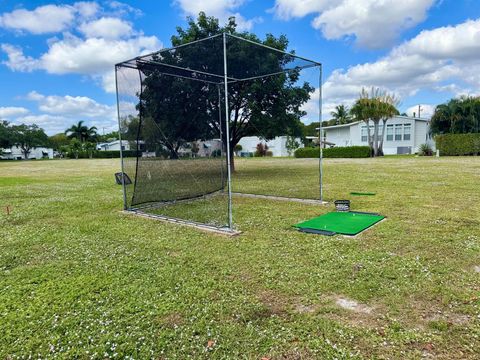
[172,122]
[173,125]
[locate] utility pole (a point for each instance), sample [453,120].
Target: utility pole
[419,109]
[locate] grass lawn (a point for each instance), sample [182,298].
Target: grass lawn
[80,279]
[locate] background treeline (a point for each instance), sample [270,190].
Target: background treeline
[456,126]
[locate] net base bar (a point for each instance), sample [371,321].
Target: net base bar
[281,198]
[201,226]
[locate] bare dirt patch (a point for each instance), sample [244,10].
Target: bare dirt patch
[172,320]
[353,305]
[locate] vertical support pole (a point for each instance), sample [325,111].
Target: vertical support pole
[221,134]
[320,131]
[227,132]
[125,207]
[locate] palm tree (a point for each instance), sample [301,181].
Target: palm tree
[375,106]
[388,109]
[81,132]
[341,115]
[457,116]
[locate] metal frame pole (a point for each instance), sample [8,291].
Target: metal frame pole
[221,135]
[227,133]
[320,131]
[125,207]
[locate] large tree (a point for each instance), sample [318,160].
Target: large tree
[27,137]
[81,132]
[58,140]
[183,110]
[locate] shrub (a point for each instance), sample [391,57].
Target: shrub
[111,154]
[458,144]
[268,153]
[335,152]
[261,150]
[425,150]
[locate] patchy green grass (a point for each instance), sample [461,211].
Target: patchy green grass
[80,279]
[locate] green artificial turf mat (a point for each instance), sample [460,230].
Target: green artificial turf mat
[358,193]
[346,223]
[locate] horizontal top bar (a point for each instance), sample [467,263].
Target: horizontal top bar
[140,57]
[272,48]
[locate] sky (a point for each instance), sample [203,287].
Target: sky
[57,57]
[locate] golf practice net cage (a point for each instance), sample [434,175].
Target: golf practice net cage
[176,108]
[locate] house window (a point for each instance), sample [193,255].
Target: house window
[389,132]
[123,147]
[364,134]
[407,128]
[398,132]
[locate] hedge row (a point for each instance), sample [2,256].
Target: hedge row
[335,152]
[108,154]
[458,144]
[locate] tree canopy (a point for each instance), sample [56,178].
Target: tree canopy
[26,137]
[6,136]
[457,116]
[184,110]
[58,140]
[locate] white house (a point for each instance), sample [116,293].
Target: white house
[278,146]
[113,145]
[15,153]
[403,134]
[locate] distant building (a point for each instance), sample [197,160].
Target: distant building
[113,145]
[278,146]
[206,148]
[403,134]
[15,153]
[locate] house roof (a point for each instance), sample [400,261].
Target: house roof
[356,122]
[340,126]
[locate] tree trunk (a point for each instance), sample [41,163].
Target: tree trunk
[232,161]
[369,136]
[375,137]
[380,148]
[26,152]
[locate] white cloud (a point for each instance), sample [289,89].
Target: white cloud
[373,23]
[426,110]
[429,61]
[221,9]
[106,27]
[93,40]
[93,56]
[17,61]
[47,18]
[71,105]
[56,113]
[12,111]
[86,9]
[122,9]
[52,124]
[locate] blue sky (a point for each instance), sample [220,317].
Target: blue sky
[56,57]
